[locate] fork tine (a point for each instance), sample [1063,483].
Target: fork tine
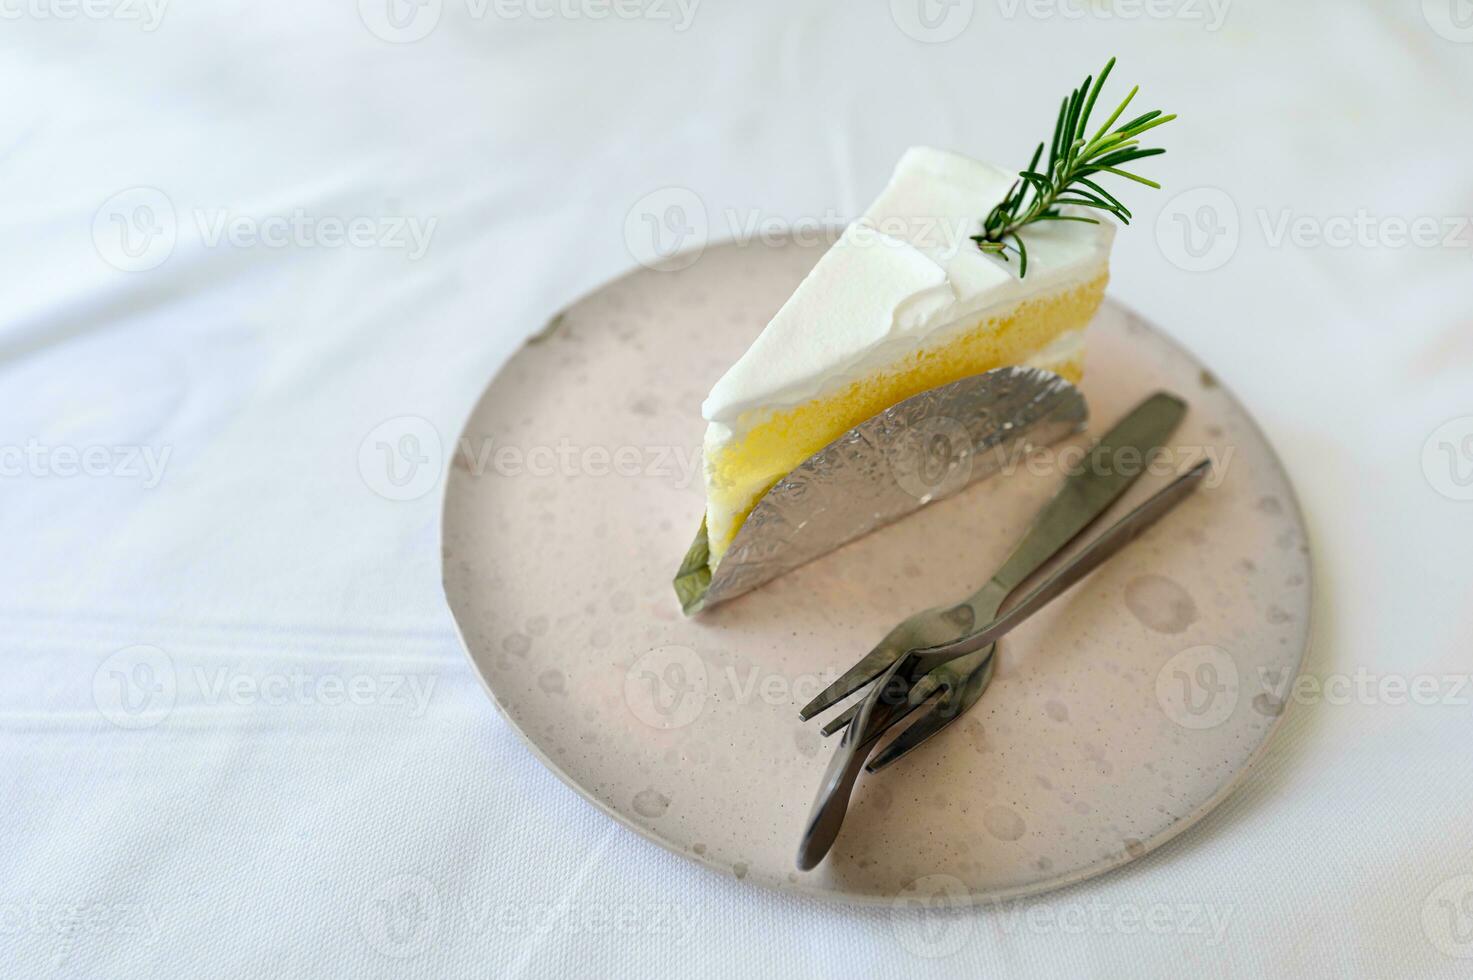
[875,663]
[928,626]
[938,680]
[841,720]
[916,694]
[957,702]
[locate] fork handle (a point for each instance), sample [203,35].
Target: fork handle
[1092,556]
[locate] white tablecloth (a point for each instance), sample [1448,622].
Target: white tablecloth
[239,735]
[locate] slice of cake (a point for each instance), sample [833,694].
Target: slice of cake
[905,301]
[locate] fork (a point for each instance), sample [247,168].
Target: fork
[891,699]
[1087,493]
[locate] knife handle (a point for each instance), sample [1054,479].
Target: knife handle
[1090,557]
[1090,490]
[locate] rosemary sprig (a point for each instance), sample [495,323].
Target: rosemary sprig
[1073,159]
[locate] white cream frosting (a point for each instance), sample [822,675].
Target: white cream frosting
[901,277]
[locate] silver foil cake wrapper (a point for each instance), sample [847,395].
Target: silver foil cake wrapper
[923,449]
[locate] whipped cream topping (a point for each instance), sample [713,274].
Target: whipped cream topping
[902,276]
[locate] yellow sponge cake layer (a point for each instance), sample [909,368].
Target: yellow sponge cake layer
[1035,331]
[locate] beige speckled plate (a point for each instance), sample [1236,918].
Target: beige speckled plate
[1118,717]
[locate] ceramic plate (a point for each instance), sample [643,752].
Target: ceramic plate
[1118,716]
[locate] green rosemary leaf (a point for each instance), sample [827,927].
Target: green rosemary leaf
[1158,121]
[1084,106]
[1103,193]
[1033,164]
[1116,114]
[1068,217]
[1099,207]
[1138,121]
[1125,156]
[1130,176]
[1038,180]
[1006,206]
[1037,195]
[1076,103]
[1094,94]
[1053,152]
[1086,203]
